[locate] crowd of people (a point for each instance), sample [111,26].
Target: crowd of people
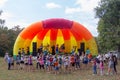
[66,62]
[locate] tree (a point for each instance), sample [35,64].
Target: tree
[12,35]
[3,37]
[108,12]
[7,37]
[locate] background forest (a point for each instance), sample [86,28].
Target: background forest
[7,36]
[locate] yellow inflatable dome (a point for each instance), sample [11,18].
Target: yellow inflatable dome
[55,31]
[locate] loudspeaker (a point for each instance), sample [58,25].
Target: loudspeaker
[82,47]
[80,52]
[34,46]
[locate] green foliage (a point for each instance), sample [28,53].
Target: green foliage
[108,12]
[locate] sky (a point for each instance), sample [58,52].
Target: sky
[26,12]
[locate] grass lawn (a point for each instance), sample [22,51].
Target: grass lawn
[40,75]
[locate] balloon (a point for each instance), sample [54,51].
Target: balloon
[55,31]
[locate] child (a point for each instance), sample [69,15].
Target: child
[56,68]
[72,62]
[101,67]
[110,66]
[85,61]
[66,64]
[26,63]
[12,62]
[30,63]
[22,62]
[41,61]
[77,61]
[9,62]
[47,63]
[60,62]
[51,62]
[37,62]
[94,67]
[17,62]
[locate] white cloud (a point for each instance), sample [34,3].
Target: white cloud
[53,5]
[87,5]
[2,2]
[83,6]
[72,10]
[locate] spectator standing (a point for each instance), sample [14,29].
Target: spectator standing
[94,66]
[101,67]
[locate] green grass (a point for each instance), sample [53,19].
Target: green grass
[40,75]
